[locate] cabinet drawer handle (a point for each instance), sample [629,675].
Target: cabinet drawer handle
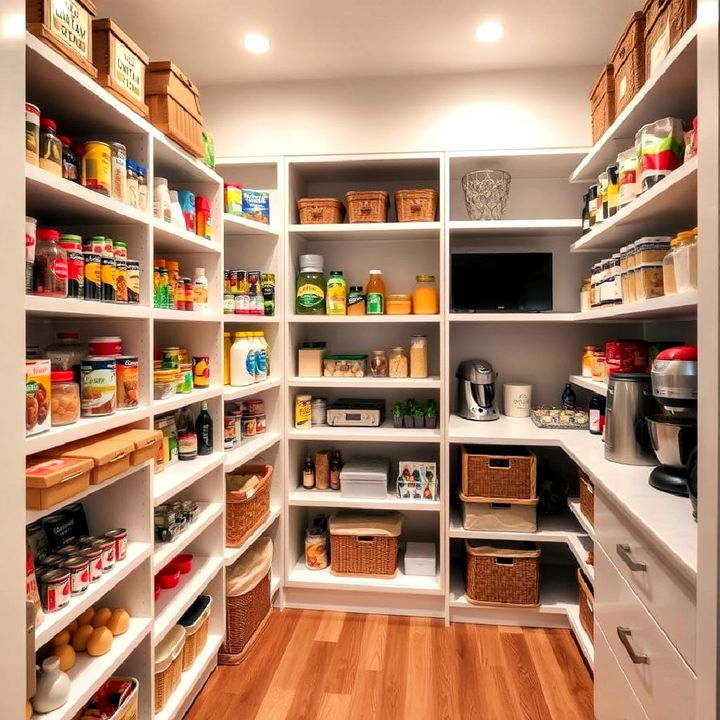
[624,635]
[624,552]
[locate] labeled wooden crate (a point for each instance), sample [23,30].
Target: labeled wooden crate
[499,472]
[666,21]
[121,64]
[174,104]
[66,26]
[628,61]
[586,603]
[602,103]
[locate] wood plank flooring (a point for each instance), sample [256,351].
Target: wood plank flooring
[311,665]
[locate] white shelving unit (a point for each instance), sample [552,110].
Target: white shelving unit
[589,384]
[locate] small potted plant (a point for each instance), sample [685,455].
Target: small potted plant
[398,411]
[431,414]
[418,416]
[408,413]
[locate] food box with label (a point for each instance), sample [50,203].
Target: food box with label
[49,481]
[256,205]
[120,63]
[37,396]
[66,26]
[417,480]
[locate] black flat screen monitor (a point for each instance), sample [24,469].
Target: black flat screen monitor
[501,282]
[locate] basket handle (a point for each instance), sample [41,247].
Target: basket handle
[500,506]
[317,212]
[365,539]
[415,206]
[501,463]
[507,561]
[365,207]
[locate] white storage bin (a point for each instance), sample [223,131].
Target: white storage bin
[419,559]
[365,478]
[499,514]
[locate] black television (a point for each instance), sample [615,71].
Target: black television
[501,282]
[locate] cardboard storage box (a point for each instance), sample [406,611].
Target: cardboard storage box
[146,443]
[120,63]
[66,26]
[49,481]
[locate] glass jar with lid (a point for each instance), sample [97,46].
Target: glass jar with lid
[70,160]
[132,184]
[425,297]
[66,353]
[599,371]
[616,278]
[50,271]
[50,147]
[668,263]
[118,163]
[418,356]
[685,261]
[378,363]
[398,363]
[65,398]
[142,187]
[595,285]
[587,360]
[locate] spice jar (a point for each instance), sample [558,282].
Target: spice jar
[418,356]
[70,161]
[425,298]
[587,360]
[132,184]
[50,147]
[316,548]
[599,371]
[378,364]
[118,163]
[142,188]
[50,272]
[398,363]
[64,398]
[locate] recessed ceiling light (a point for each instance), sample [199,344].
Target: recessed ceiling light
[256,43]
[490,31]
[13,25]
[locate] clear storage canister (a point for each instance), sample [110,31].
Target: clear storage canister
[65,398]
[668,263]
[686,262]
[418,356]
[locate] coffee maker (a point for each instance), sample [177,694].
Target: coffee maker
[476,390]
[673,433]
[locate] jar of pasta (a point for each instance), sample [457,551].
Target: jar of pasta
[418,356]
[398,363]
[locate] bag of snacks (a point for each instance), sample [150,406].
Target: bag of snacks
[660,149]
[627,162]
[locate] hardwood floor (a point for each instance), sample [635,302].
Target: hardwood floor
[311,665]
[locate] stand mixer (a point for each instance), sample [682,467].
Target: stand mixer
[673,433]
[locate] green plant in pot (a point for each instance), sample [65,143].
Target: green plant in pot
[409,413]
[398,410]
[431,414]
[418,416]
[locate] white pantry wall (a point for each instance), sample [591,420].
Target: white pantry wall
[468,111]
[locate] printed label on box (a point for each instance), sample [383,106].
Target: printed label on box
[70,23]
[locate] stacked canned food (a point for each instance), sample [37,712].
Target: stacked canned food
[249,292]
[98,165]
[243,420]
[172,291]
[176,372]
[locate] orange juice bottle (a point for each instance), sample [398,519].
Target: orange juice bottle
[375,292]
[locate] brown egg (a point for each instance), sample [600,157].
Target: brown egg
[72,627]
[81,637]
[86,618]
[100,642]
[119,621]
[66,655]
[101,617]
[62,638]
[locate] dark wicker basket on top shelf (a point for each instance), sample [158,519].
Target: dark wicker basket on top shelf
[666,21]
[367,206]
[416,205]
[628,61]
[602,103]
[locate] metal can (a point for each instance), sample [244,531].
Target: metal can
[97,167]
[127,378]
[119,537]
[30,243]
[98,386]
[108,282]
[93,275]
[79,568]
[249,426]
[171,358]
[94,558]
[121,286]
[230,439]
[54,589]
[184,356]
[72,245]
[267,284]
[54,560]
[32,134]
[228,303]
[67,551]
[107,548]
[201,371]
[105,345]
[319,411]
[118,164]
[133,281]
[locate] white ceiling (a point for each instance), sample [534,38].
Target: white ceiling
[350,38]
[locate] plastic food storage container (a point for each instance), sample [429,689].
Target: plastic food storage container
[365,478]
[648,281]
[685,258]
[345,366]
[165,384]
[398,305]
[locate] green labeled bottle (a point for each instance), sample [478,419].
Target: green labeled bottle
[336,299]
[310,286]
[375,293]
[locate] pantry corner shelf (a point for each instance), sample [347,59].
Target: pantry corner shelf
[137,553]
[88,673]
[32,515]
[365,382]
[235,225]
[560,228]
[669,205]
[169,238]
[250,448]
[388,231]
[334,499]
[83,428]
[682,305]
[386,433]
[39,306]
[670,91]
[165,552]
[600,388]
[232,554]
[574,505]
[181,474]
[237,393]
[179,400]
[174,602]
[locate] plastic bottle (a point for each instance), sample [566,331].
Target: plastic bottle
[266,348]
[176,214]
[260,357]
[200,291]
[242,360]
[161,203]
[336,293]
[569,402]
[596,412]
[375,292]
[310,287]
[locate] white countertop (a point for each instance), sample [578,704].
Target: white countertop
[667,519]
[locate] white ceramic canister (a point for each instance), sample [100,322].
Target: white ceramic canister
[516,399]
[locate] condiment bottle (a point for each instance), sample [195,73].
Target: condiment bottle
[50,147]
[425,298]
[356,301]
[308,478]
[50,271]
[375,293]
[569,402]
[310,286]
[70,161]
[161,203]
[200,291]
[336,293]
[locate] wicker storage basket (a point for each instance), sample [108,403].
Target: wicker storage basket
[499,472]
[587,603]
[416,205]
[168,665]
[364,543]
[587,497]
[499,514]
[320,211]
[628,61]
[602,103]
[246,506]
[666,21]
[129,708]
[247,605]
[367,206]
[196,622]
[502,573]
